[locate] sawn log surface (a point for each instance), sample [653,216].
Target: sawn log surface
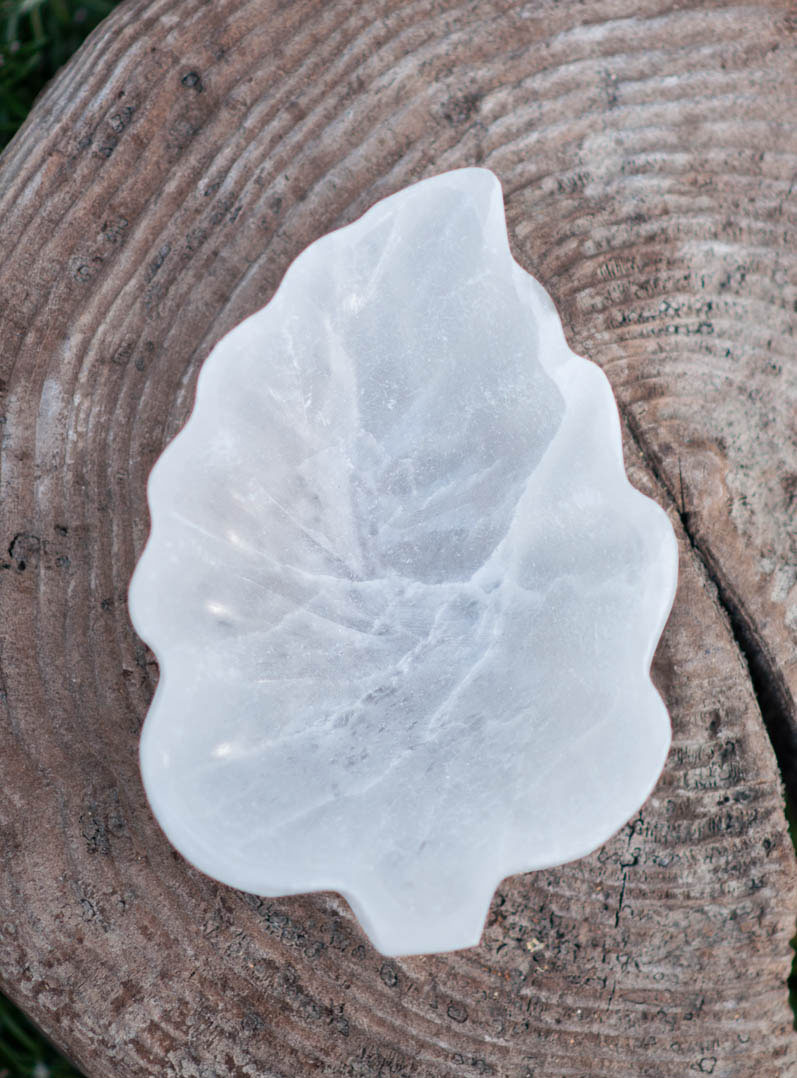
[155,196]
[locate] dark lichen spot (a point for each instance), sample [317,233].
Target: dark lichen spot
[24,550]
[459,109]
[457,1012]
[193,81]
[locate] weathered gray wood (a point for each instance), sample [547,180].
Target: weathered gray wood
[155,197]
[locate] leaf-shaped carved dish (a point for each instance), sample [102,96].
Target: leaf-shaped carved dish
[403,597]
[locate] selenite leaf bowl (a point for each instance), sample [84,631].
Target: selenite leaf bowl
[403,597]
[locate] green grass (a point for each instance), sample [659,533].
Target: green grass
[36,38]
[24,1052]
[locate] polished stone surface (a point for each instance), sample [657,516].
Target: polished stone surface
[403,597]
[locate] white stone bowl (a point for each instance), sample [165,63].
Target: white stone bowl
[403,597]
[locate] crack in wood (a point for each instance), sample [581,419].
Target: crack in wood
[772,694]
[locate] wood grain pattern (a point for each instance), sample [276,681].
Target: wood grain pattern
[155,197]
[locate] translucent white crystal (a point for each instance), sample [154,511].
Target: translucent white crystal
[403,597]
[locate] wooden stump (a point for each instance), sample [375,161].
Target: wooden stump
[155,197]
